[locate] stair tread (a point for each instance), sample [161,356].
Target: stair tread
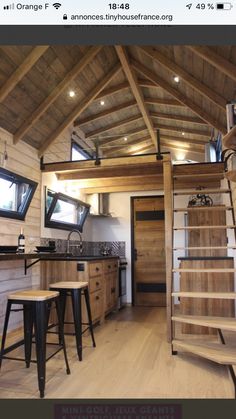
[198,294]
[193,175]
[206,208]
[204,247]
[204,270]
[202,191]
[208,227]
[222,354]
[226,323]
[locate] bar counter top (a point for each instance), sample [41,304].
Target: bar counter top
[52,256]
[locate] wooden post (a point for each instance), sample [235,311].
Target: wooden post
[168,199]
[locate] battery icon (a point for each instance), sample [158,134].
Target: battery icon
[224,6]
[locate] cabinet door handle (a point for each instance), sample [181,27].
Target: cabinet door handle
[113,290]
[109,266]
[97,297]
[97,269]
[97,283]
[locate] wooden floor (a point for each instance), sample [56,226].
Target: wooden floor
[132,360]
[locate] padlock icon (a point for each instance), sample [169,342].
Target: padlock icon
[64,17]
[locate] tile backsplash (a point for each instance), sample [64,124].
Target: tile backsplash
[114,248]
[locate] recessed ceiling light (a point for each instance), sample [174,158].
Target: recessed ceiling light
[125,138]
[71,93]
[176,79]
[183,133]
[102,103]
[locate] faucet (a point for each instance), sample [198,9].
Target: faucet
[80,238]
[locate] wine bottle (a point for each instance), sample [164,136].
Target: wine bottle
[21,242]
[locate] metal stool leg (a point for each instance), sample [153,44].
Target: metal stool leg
[40,319]
[8,310]
[61,333]
[28,329]
[76,305]
[87,300]
[62,299]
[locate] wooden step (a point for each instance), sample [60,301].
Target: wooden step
[213,208]
[216,270]
[198,294]
[208,227]
[204,248]
[199,175]
[202,191]
[225,323]
[222,354]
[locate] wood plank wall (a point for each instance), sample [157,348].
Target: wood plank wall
[23,160]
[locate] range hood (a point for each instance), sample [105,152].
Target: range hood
[99,204]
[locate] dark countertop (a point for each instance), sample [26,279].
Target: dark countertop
[205,258]
[51,256]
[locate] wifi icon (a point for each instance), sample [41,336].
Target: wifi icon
[57,5]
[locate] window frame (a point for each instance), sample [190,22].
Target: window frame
[80,150]
[49,223]
[15,178]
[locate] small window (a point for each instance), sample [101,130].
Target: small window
[64,212]
[78,153]
[16,193]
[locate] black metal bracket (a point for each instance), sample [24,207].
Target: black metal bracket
[158,155]
[31,264]
[97,159]
[42,166]
[230,367]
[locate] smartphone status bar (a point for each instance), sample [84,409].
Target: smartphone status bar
[106,12]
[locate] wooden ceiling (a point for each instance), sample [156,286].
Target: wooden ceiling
[136,84]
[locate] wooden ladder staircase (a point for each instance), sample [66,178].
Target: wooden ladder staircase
[218,350]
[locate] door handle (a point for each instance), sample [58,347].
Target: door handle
[135,254]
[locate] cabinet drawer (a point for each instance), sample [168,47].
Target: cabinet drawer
[110,265]
[96,302]
[95,284]
[95,269]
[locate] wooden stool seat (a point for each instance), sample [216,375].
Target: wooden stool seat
[69,285]
[33,295]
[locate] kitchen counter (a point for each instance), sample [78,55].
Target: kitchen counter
[52,256]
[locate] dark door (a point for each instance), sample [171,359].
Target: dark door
[148,250]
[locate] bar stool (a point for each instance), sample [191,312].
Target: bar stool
[36,310]
[75,290]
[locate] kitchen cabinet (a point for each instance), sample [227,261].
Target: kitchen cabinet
[101,275]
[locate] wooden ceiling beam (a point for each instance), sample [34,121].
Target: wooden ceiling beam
[167,102]
[136,89]
[223,65]
[80,108]
[122,86]
[119,181]
[128,134]
[197,85]
[181,118]
[22,70]
[112,90]
[123,151]
[105,113]
[129,188]
[42,108]
[114,125]
[185,130]
[116,171]
[120,147]
[147,83]
[183,139]
[179,96]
